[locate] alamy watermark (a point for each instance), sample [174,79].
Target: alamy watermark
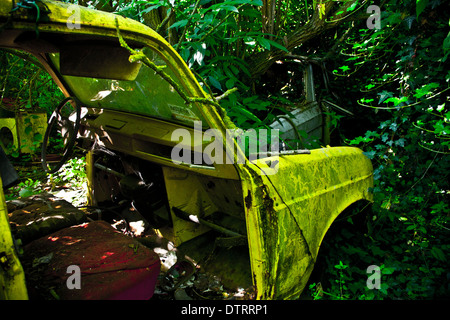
[374,21]
[73,22]
[74,280]
[374,280]
[256,144]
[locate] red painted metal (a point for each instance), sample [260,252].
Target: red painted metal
[113,265]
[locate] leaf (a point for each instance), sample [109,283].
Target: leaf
[249,115]
[353,6]
[425,89]
[396,100]
[409,21]
[344,68]
[277,45]
[223,6]
[400,142]
[446,44]
[179,24]
[420,6]
[321,7]
[37,137]
[387,270]
[384,95]
[341,266]
[230,8]
[215,82]
[230,83]
[25,192]
[150,8]
[249,99]
[263,42]
[438,254]
[394,18]
[249,41]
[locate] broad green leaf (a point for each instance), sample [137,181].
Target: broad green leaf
[179,24]
[150,8]
[215,82]
[249,99]
[223,6]
[387,270]
[277,45]
[446,44]
[420,6]
[249,115]
[230,8]
[26,192]
[394,18]
[249,41]
[438,254]
[37,137]
[230,83]
[425,89]
[396,100]
[384,95]
[264,43]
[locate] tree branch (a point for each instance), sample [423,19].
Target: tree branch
[314,27]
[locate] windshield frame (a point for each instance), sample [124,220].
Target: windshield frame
[148,94]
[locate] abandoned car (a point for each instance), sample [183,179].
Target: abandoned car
[135,105]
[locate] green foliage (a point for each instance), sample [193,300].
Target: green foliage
[24,189]
[404,81]
[217,39]
[71,175]
[73,172]
[25,86]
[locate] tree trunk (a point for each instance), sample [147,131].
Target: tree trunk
[268,16]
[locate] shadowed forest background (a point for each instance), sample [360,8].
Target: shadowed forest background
[388,94]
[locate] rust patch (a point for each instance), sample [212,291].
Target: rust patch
[248,200]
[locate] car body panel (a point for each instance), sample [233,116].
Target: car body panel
[297,207]
[12,277]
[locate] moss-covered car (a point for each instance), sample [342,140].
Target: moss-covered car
[136,106]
